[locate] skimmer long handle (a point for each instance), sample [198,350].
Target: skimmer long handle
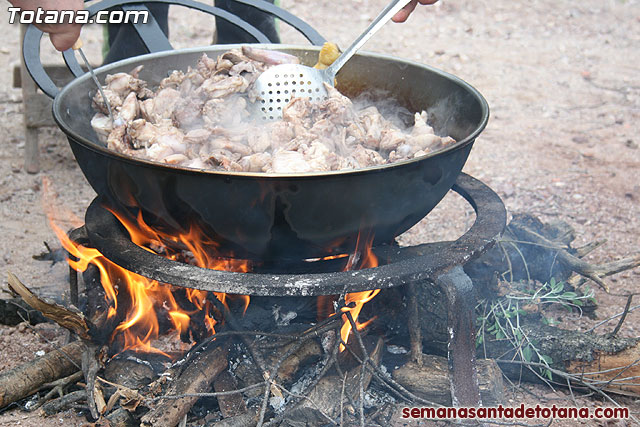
[386,14]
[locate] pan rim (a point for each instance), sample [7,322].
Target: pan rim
[94,146]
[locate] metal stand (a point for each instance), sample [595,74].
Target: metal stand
[462,337]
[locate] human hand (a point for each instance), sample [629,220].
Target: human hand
[62,35]
[406,11]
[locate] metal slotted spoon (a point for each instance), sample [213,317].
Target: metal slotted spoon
[277,85]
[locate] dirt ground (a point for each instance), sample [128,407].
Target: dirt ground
[562,79]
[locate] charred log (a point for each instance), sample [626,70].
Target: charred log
[63,403]
[231,405]
[26,379]
[196,378]
[431,380]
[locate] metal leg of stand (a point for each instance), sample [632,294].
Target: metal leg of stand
[462,338]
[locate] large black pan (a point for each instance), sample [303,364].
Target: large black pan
[274,216]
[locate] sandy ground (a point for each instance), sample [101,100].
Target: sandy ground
[563,82]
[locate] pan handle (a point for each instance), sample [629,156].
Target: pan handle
[152,35]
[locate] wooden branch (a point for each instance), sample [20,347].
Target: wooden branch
[71,320]
[91,364]
[579,266]
[595,357]
[431,380]
[608,269]
[324,397]
[231,405]
[26,379]
[614,373]
[195,378]
[63,403]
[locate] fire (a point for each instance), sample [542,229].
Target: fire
[363,257]
[134,302]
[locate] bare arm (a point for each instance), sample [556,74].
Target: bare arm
[406,11]
[62,36]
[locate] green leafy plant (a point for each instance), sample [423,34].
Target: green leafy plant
[501,318]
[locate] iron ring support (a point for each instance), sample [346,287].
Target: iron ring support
[420,263]
[151,34]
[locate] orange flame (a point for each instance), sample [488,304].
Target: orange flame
[134,301]
[359,299]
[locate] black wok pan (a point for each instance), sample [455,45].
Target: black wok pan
[279,216]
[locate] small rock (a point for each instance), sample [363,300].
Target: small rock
[631,144]
[396,349]
[580,139]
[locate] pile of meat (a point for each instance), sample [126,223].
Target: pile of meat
[202,119]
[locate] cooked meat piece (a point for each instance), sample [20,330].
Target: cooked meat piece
[225,160]
[142,133]
[337,107]
[286,161]
[196,164]
[188,113]
[123,83]
[161,106]
[298,111]
[420,125]
[197,136]
[206,66]
[229,112]
[269,57]
[176,159]
[390,139]
[102,126]
[246,67]
[174,80]
[223,65]
[114,99]
[158,152]
[116,140]
[366,157]
[129,110]
[255,162]
[373,124]
[235,56]
[171,137]
[320,158]
[220,86]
